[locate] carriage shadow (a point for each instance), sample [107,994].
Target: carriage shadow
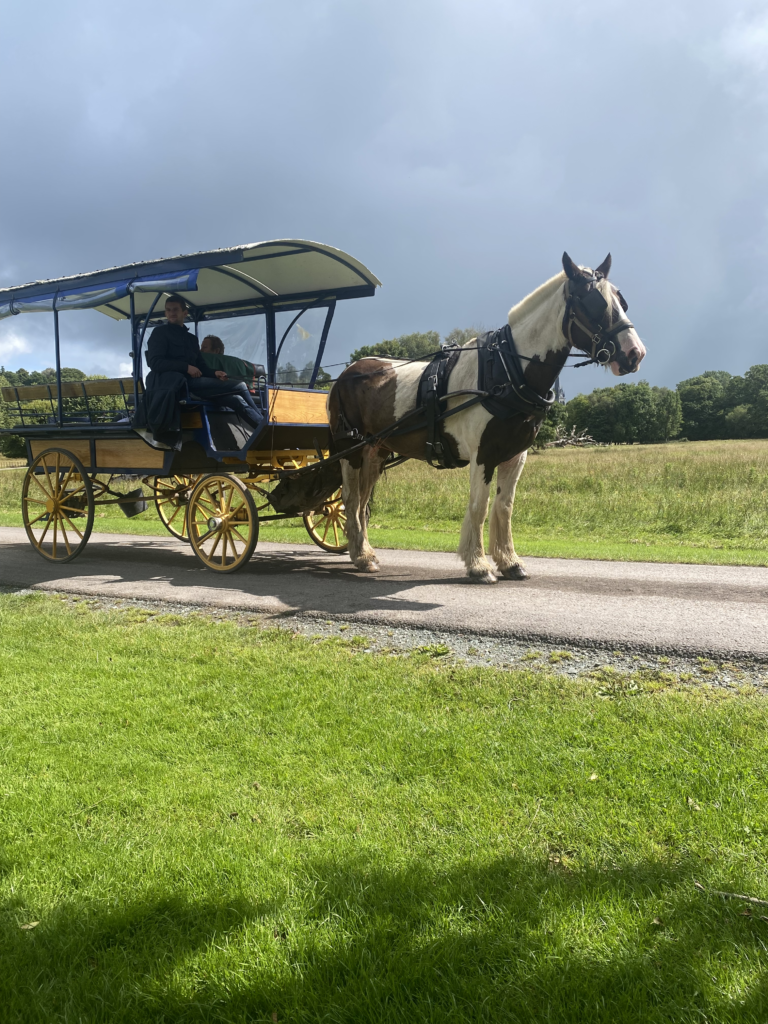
[298,580]
[363,942]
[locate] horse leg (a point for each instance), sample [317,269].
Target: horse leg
[357,487]
[471,549]
[502,545]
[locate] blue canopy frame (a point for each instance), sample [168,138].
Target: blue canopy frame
[293,275]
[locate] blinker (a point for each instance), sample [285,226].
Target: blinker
[594,305]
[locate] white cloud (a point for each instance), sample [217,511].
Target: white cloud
[11,346]
[746,43]
[125,369]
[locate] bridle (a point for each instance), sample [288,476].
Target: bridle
[587,307]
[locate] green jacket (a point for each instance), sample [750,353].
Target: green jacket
[237,369]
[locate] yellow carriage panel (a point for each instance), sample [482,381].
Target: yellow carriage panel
[287,406]
[128,454]
[80,449]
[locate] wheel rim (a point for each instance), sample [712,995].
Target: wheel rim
[171,500]
[222,523]
[57,505]
[328,527]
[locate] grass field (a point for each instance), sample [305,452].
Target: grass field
[688,502]
[210,822]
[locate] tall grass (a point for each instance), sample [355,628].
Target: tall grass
[714,489]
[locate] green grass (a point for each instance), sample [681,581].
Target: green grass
[207,822]
[702,502]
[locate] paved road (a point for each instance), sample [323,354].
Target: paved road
[689,609]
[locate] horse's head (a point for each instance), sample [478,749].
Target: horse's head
[594,319]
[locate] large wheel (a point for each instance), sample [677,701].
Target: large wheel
[327,526]
[222,522]
[57,505]
[171,499]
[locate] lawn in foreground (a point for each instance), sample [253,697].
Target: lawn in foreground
[208,822]
[700,502]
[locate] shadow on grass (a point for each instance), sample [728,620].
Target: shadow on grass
[510,940]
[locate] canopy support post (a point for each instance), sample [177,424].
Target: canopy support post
[135,355]
[144,329]
[271,349]
[60,409]
[323,339]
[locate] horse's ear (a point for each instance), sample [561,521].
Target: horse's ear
[572,271]
[605,267]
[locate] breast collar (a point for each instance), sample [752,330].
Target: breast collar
[587,307]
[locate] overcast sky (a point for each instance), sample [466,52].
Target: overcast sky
[455,147]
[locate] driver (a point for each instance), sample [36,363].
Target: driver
[173,355]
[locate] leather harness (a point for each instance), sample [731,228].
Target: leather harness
[501,385]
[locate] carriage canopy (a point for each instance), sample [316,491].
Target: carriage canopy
[246,279]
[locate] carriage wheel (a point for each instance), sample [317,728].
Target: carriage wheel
[327,526]
[222,522]
[171,499]
[57,505]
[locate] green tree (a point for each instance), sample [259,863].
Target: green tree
[627,414]
[407,346]
[756,393]
[11,446]
[548,430]
[461,335]
[704,401]
[668,415]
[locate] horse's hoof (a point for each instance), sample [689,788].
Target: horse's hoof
[514,572]
[485,577]
[368,567]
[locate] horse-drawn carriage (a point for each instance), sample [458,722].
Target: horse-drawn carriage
[478,405]
[85,438]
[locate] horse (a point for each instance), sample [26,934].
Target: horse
[377,400]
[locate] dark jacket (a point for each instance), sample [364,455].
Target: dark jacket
[171,349]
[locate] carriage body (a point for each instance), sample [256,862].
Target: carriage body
[212,489]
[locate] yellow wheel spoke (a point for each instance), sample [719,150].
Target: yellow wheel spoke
[236,527]
[37,519]
[42,537]
[68,478]
[66,539]
[215,545]
[36,478]
[65,516]
[327,527]
[175,513]
[35,501]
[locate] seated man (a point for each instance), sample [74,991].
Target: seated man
[174,358]
[212,345]
[212,349]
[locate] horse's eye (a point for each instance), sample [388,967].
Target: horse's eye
[622,300]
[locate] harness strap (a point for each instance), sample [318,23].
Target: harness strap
[433,388]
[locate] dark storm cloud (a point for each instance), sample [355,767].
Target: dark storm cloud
[456,148]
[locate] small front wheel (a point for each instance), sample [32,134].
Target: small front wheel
[57,505]
[222,522]
[327,525]
[171,499]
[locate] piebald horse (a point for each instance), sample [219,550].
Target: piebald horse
[374,393]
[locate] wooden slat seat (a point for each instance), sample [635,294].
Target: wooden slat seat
[70,389]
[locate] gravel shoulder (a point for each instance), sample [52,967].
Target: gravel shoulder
[619,671]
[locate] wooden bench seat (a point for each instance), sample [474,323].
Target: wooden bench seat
[118,386]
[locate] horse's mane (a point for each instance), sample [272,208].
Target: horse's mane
[527,305]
